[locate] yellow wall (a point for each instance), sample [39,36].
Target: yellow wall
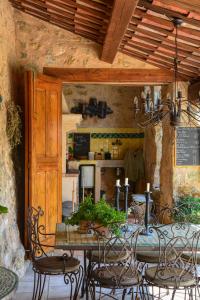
[96,144]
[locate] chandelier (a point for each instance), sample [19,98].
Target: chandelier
[152,110]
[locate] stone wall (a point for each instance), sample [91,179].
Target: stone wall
[11,250]
[118,98]
[42,44]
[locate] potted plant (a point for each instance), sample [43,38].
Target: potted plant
[99,216]
[187,209]
[107,218]
[84,216]
[3,209]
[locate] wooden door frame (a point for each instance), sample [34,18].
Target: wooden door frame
[111,76]
[108,76]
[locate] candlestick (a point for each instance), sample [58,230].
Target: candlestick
[126,181]
[118,182]
[146,217]
[126,198]
[148,187]
[117,193]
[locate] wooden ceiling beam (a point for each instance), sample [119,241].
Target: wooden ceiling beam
[121,15]
[112,75]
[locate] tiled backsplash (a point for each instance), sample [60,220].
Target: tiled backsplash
[115,140]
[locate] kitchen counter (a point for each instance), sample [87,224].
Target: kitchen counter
[112,163]
[71,173]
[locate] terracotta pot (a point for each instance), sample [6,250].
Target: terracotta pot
[104,231]
[84,225]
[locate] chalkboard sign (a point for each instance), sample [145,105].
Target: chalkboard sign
[188,146]
[81,145]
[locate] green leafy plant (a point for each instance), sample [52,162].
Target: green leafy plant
[107,216]
[187,209]
[3,209]
[100,213]
[85,212]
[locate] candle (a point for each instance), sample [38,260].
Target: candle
[118,182]
[126,181]
[148,187]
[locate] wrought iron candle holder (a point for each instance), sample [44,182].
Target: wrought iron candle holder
[117,195]
[126,188]
[146,216]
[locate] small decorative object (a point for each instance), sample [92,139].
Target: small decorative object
[14,124]
[3,210]
[107,155]
[92,109]
[98,156]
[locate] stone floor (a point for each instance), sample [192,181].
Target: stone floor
[55,288]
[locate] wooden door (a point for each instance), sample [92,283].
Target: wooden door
[43,148]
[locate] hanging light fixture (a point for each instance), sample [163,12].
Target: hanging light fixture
[153,110]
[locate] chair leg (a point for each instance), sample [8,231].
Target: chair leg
[35,286]
[78,279]
[38,286]
[71,278]
[124,294]
[41,286]
[173,294]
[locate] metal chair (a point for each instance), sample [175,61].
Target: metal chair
[44,264]
[175,271]
[114,273]
[164,214]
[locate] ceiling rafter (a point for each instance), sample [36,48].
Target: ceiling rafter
[138,28]
[121,15]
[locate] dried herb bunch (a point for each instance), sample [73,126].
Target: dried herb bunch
[14,124]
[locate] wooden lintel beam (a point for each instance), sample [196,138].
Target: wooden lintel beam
[121,15]
[116,76]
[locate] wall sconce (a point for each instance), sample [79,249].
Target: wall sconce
[92,109]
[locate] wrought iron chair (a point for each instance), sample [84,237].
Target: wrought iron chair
[176,271]
[114,273]
[164,214]
[44,264]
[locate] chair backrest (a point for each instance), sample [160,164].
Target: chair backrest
[119,250]
[35,231]
[137,213]
[178,245]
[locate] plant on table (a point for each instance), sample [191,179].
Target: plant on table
[85,212]
[107,216]
[99,214]
[187,209]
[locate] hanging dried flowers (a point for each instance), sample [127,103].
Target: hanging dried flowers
[14,124]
